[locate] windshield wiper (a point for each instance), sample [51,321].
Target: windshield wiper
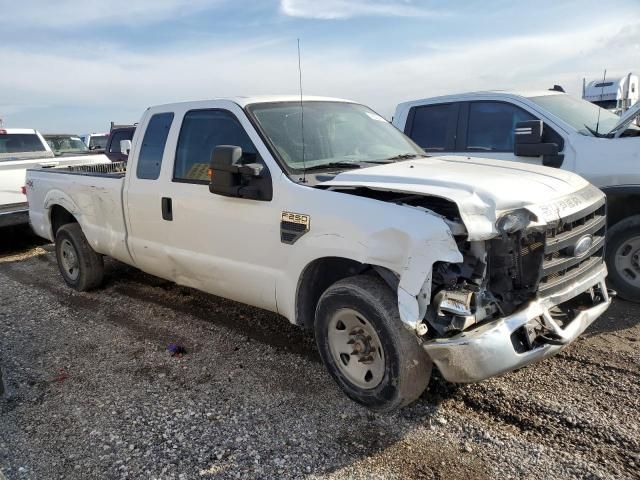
[595,133]
[330,165]
[406,156]
[362,163]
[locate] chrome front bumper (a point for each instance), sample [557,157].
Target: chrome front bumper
[488,350]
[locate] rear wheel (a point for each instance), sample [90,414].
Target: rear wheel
[363,343]
[623,258]
[81,267]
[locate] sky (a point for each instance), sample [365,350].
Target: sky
[73,66]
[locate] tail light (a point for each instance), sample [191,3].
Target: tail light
[23,189]
[3,131]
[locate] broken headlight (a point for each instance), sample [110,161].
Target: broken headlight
[513,221]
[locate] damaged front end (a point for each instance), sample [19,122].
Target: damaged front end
[495,279]
[495,297]
[517,298]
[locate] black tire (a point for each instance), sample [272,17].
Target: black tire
[90,266]
[407,367]
[617,237]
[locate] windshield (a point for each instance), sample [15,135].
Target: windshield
[580,114]
[65,144]
[98,142]
[334,132]
[20,143]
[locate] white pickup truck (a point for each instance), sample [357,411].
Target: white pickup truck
[95,141]
[546,128]
[22,148]
[395,260]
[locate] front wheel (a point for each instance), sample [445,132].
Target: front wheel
[363,343]
[623,258]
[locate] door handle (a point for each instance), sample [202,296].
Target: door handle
[167,209]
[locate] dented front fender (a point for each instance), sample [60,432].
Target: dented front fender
[402,239]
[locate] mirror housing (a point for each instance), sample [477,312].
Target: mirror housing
[528,143]
[230,178]
[529,132]
[125,147]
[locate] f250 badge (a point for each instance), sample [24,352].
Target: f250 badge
[293,226]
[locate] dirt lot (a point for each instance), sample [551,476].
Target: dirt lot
[91,392]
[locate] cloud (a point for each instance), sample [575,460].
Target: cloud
[118,80]
[526,62]
[61,14]
[341,9]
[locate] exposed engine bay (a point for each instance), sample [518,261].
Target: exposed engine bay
[495,278]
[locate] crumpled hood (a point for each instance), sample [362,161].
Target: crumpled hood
[483,189]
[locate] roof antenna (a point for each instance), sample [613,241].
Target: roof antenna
[304,166]
[601,94]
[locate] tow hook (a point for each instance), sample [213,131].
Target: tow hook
[600,294]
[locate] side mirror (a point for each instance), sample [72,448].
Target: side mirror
[125,147]
[529,132]
[230,178]
[528,143]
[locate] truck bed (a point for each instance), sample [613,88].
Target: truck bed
[91,193]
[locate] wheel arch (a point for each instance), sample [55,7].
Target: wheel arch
[321,273]
[61,209]
[59,216]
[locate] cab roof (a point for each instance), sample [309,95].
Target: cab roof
[483,94]
[9,131]
[248,100]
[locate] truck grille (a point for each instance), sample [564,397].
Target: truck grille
[560,265]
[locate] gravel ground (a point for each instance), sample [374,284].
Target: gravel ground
[91,392]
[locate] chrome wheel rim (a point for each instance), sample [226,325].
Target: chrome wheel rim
[69,259]
[356,348]
[627,259]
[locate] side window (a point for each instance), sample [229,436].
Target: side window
[117,138]
[491,126]
[155,138]
[433,127]
[201,132]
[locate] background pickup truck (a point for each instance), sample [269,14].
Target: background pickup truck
[95,141]
[118,134]
[22,148]
[553,129]
[395,260]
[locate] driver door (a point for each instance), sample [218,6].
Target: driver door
[227,246]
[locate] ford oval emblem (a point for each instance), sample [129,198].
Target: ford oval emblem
[582,246]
